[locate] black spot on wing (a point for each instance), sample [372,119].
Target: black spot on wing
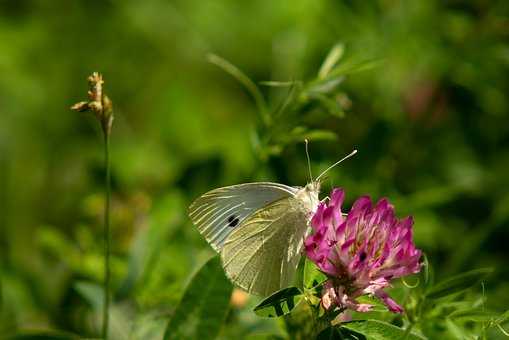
[233,221]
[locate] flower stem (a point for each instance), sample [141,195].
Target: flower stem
[107,238]
[408,330]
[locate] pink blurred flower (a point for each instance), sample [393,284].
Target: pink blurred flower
[362,252]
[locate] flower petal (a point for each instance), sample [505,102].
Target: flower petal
[389,302]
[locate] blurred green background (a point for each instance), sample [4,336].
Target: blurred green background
[430,121]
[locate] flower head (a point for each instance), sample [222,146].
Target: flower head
[98,102]
[362,252]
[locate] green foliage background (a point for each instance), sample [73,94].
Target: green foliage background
[431,124]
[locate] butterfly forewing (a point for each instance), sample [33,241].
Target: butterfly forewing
[261,256]
[219,212]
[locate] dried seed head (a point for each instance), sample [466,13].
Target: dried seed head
[95,81]
[80,107]
[98,102]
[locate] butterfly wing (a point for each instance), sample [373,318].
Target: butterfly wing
[219,212]
[261,256]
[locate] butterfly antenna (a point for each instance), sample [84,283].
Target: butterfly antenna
[309,160]
[333,165]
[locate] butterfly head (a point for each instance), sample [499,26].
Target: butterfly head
[313,187]
[309,195]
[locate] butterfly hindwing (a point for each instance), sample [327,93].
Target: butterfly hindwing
[219,212]
[261,256]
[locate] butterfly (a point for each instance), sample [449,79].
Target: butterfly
[258,229]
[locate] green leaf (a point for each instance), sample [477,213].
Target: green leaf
[289,98]
[473,314]
[148,243]
[273,83]
[91,292]
[314,135]
[323,86]
[280,303]
[458,283]
[331,60]
[312,276]
[204,305]
[300,133]
[502,318]
[378,330]
[455,330]
[354,67]
[332,106]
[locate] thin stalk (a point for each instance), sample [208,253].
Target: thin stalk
[408,330]
[102,108]
[250,86]
[107,238]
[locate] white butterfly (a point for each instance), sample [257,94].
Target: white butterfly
[258,229]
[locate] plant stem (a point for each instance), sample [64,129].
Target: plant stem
[250,86]
[107,238]
[408,330]
[102,108]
